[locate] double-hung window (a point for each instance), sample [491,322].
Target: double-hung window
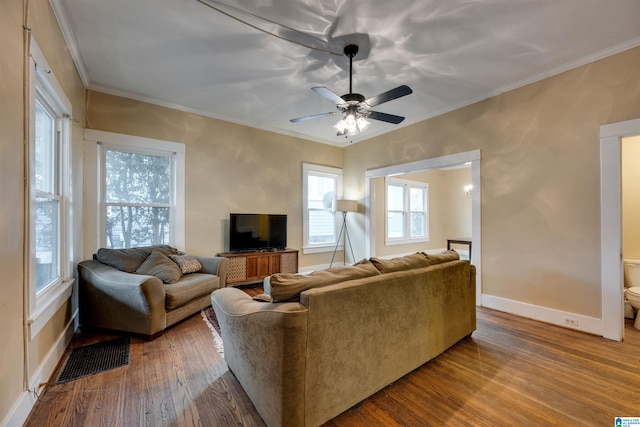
[50,241]
[406,211]
[142,192]
[321,186]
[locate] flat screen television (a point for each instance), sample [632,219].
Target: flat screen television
[254,232]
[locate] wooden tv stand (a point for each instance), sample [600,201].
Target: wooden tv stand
[251,267]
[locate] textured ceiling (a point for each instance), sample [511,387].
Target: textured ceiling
[186,55]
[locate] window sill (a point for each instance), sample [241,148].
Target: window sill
[50,306]
[321,249]
[405,241]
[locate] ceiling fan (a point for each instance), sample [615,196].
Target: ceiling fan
[356,108]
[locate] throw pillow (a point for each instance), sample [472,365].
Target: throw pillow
[159,265]
[187,263]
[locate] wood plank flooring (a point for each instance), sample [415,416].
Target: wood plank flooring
[511,372]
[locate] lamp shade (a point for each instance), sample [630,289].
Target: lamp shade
[346,206]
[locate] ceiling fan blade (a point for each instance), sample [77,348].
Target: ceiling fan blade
[328,94]
[389,95]
[384,117]
[315,116]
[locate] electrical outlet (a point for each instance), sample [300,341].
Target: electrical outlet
[570,321]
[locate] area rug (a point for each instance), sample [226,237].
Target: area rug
[209,317]
[95,358]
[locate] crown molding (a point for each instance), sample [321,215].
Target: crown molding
[63,22]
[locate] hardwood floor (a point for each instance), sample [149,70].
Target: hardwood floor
[511,372]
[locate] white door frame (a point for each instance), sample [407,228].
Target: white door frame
[472,157]
[611,136]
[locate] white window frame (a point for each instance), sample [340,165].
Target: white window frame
[319,170]
[43,85]
[134,144]
[407,185]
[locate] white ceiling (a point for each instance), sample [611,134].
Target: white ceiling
[186,55]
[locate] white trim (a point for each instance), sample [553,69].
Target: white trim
[333,172]
[406,185]
[128,140]
[28,399]
[47,78]
[45,311]
[63,22]
[44,86]
[144,145]
[439,162]
[611,225]
[591,325]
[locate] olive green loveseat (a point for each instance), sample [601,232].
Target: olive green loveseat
[147,289]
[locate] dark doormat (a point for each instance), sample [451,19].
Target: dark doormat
[95,358]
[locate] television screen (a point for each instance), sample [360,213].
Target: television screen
[249,232]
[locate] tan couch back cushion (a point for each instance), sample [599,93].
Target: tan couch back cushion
[287,286]
[445,256]
[406,262]
[130,260]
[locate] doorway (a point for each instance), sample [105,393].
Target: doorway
[472,157]
[611,225]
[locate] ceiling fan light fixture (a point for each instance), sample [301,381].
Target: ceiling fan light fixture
[351,125]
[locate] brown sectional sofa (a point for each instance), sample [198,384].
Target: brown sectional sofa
[311,352]
[143,290]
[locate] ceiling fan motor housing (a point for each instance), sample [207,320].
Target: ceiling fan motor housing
[351,50]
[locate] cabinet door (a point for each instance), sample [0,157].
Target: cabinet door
[275,264]
[263,265]
[252,267]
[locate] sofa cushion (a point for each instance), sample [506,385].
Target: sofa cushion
[187,263]
[407,262]
[445,256]
[287,286]
[159,265]
[130,259]
[189,287]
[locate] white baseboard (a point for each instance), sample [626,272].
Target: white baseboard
[582,323]
[27,400]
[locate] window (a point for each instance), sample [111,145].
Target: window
[406,210]
[141,191]
[321,186]
[50,249]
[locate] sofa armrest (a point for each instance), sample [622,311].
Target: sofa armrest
[114,299]
[215,265]
[265,348]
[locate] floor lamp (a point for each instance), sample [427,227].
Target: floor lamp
[344,206]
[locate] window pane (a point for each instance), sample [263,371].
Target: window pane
[416,199]
[321,191]
[417,224]
[395,198]
[137,178]
[321,227]
[395,225]
[45,157]
[131,226]
[46,242]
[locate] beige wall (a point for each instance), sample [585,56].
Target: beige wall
[229,168]
[11,212]
[457,222]
[631,198]
[449,210]
[14,373]
[540,177]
